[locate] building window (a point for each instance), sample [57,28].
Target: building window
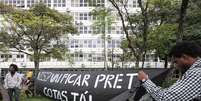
[9,56]
[76,43]
[3,56]
[30,3]
[89,43]
[84,29]
[59,3]
[80,43]
[135,4]
[89,57]
[93,43]
[92,57]
[82,16]
[87,3]
[48,2]
[118,43]
[20,56]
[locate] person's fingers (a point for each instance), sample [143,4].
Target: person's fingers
[142,75]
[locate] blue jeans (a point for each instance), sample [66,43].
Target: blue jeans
[14,92]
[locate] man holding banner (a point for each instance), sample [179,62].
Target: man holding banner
[186,57]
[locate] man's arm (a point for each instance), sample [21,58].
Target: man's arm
[19,81]
[5,82]
[185,89]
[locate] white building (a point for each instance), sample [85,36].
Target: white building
[87,49]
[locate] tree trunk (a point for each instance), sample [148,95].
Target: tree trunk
[105,46]
[112,58]
[105,53]
[4,93]
[122,60]
[137,63]
[144,13]
[143,59]
[166,61]
[182,16]
[36,65]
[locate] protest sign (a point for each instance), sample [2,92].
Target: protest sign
[89,85]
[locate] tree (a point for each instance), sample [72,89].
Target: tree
[192,27]
[138,26]
[182,18]
[101,24]
[135,26]
[127,55]
[37,32]
[161,40]
[162,36]
[4,9]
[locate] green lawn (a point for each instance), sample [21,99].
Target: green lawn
[35,99]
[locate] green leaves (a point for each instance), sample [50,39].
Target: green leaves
[104,19]
[4,9]
[162,38]
[192,27]
[37,31]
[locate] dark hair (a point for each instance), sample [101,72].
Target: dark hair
[189,48]
[14,66]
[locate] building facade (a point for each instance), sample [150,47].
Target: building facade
[86,48]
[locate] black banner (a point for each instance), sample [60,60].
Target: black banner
[89,85]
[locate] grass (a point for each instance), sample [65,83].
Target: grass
[38,98]
[35,99]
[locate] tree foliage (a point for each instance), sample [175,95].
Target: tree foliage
[103,22]
[5,8]
[37,32]
[104,19]
[192,27]
[162,35]
[135,27]
[156,20]
[162,39]
[182,19]
[138,26]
